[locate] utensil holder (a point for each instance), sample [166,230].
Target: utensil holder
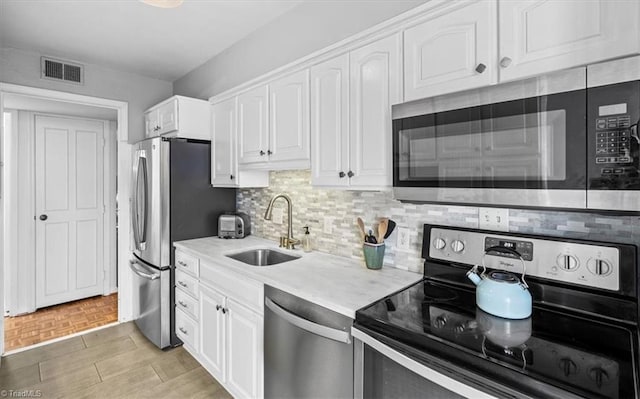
[373,255]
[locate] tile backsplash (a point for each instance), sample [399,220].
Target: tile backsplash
[314,207]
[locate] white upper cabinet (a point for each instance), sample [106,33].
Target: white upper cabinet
[539,36]
[179,116]
[330,122]
[273,124]
[289,118]
[224,154]
[253,125]
[452,52]
[351,97]
[223,148]
[375,84]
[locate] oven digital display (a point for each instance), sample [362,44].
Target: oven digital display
[507,244]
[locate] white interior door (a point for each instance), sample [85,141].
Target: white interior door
[69,209]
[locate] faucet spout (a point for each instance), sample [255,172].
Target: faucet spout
[290,242]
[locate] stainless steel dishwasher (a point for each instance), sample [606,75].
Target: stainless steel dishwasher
[308,349]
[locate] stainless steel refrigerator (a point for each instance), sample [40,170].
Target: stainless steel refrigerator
[172,200]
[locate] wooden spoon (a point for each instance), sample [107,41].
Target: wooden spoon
[382,229]
[361,225]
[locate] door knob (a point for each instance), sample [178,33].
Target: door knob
[43,217]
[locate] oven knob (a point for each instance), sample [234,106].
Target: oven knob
[568,262]
[440,321]
[439,243]
[598,375]
[459,328]
[568,366]
[457,246]
[599,267]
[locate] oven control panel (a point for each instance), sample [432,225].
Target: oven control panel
[589,265]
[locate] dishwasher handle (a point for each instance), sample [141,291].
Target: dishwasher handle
[314,328]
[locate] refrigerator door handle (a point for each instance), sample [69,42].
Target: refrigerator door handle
[136,270]
[135,215]
[145,191]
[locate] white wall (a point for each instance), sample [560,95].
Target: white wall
[23,68]
[311,26]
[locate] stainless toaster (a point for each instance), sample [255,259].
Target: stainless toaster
[234,225]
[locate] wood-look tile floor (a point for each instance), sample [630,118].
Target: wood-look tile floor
[59,321]
[116,362]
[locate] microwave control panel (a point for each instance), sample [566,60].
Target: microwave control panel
[614,145]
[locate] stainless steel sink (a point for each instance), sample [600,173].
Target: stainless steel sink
[262,257]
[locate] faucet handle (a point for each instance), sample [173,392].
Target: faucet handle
[283,242]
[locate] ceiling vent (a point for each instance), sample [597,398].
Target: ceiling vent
[62,70]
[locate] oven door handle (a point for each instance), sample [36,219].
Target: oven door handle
[314,328]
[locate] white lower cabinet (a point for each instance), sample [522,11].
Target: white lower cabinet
[225,334]
[212,337]
[244,351]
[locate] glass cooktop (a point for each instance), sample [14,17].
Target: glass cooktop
[589,358]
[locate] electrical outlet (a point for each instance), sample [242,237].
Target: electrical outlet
[328,225]
[277,216]
[494,219]
[403,239]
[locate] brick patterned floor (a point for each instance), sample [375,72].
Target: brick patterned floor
[59,320]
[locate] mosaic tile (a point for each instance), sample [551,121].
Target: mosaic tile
[312,204]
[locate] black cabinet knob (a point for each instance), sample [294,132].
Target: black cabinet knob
[350,174]
[261,152]
[341,174]
[231,177]
[269,152]
[43,217]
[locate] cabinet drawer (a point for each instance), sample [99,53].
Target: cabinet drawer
[187,283]
[187,263]
[245,291]
[187,329]
[187,304]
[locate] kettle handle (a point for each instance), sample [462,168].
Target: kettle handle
[505,250]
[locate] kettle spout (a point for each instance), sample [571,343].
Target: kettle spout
[473,276]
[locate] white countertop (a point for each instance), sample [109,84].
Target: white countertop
[340,284]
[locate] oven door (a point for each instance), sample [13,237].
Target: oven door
[521,143]
[382,370]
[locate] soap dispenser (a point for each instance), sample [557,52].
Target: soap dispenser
[306,240]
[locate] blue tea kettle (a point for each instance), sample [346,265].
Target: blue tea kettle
[502,293]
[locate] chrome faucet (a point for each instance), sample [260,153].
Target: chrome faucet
[288,242]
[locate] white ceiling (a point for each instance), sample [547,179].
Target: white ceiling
[131,36]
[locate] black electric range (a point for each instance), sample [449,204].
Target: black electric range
[580,341]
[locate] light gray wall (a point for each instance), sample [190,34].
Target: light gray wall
[23,68]
[305,29]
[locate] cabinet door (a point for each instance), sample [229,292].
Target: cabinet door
[212,332]
[452,52]
[538,36]
[168,116]
[330,122]
[223,148]
[375,85]
[244,351]
[253,126]
[289,117]
[151,123]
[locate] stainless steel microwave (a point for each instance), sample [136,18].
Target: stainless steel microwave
[563,140]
